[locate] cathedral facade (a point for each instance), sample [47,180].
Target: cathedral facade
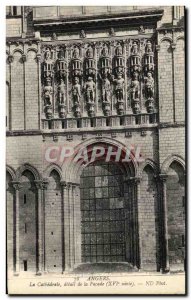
[87,87]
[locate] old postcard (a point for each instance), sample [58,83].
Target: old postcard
[95,120]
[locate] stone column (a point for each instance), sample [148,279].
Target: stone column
[137,198]
[66,226]
[71,222]
[40,251]
[44,193]
[164,215]
[38,57]
[77,224]
[17,187]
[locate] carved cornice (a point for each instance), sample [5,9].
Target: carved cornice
[170,29]
[128,18]
[169,124]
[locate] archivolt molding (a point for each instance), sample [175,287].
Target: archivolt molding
[30,168]
[11,171]
[50,168]
[166,38]
[72,170]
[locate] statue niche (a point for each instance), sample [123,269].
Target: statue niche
[149,92]
[135,92]
[89,89]
[90,64]
[61,98]
[61,69]
[76,64]
[149,58]
[48,65]
[135,59]
[105,77]
[106,94]
[48,91]
[76,94]
[119,83]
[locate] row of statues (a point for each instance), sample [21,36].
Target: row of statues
[89,89]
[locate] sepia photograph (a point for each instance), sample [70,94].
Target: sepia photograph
[95,150]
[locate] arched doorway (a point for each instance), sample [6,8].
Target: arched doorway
[103,213]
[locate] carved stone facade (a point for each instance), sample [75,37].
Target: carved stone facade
[91,81]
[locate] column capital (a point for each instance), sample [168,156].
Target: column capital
[75,184]
[17,185]
[24,58]
[132,180]
[41,184]
[38,57]
[173,46]
[64,184]
[38,184]
[162,177]
[45,184]
[10,58]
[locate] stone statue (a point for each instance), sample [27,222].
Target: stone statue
[76,90]
[149,86]
[119,51]
[135,87]
[148,47]
[61,54]
[104,51]
[82,34]
[134,48]
[47,54]
[48,91]
[76,53]
[112,31]
[61,92]
[119,86]
[89,88]
[89,52]
[106,89]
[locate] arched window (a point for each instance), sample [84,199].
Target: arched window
[102,213]
[28,222]
[53,227]
[10,219]
[148,220]
[176,215]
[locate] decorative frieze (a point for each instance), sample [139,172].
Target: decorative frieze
[98,78]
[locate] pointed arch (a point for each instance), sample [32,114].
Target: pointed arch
[168,161]
[151,164]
